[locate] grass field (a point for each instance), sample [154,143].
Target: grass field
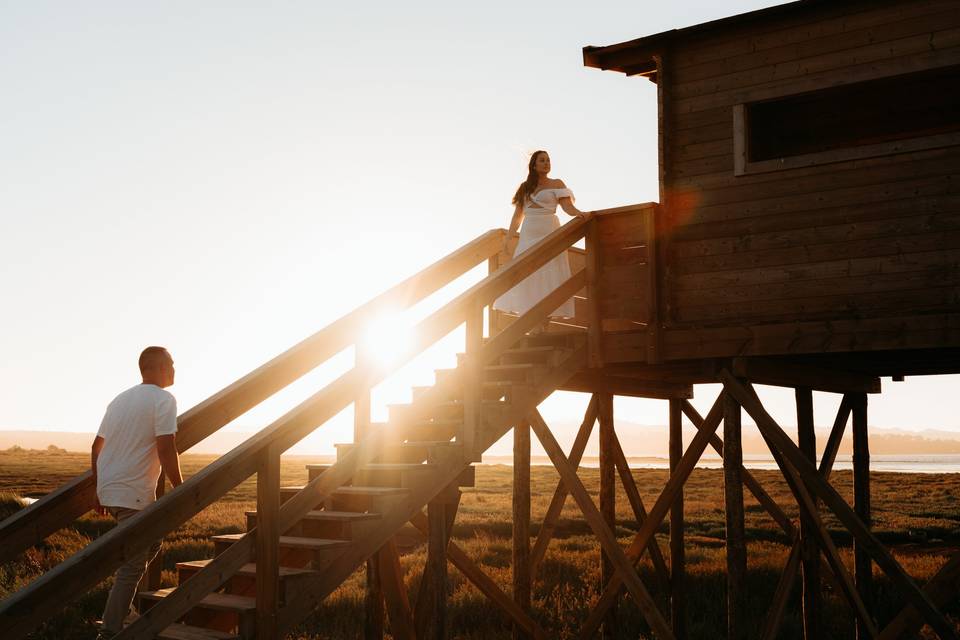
[918,515]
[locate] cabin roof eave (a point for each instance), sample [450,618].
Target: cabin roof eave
[637,57]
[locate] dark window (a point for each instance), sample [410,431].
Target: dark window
[895,108]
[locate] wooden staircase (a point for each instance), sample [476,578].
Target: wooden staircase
[332,540]
[304,541]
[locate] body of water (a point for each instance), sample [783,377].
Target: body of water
[921,463]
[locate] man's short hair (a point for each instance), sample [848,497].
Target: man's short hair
[152,357]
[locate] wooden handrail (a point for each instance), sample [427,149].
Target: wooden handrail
[65,504]
[21,611]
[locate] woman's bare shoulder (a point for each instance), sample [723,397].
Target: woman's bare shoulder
[558,183]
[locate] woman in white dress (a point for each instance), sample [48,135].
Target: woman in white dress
[535,205]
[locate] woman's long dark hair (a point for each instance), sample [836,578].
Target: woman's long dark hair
[528,186]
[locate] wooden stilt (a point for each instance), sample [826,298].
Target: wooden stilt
[374,608]
[436,571]
[395,593]
[809,553]
[808,473]
[608,499]
[521,522]
[863,567]
[268,544]
[677,559]
[736,541]
[771,627]
[560,494]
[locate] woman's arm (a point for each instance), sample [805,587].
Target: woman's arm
[567,203]
[513,232]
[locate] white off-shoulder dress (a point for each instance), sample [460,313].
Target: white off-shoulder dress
[539,220]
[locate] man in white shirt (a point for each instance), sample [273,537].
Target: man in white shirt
[137,439]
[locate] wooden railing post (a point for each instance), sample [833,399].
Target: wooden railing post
[493,316]
[268,543]
[472,395]
[594,319]
[375,605]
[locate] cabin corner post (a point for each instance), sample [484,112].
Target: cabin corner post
[677,557]
[594,317]
[737,620]
[809,551]
[607,498]
[521,523]
[268,544]
[863,566]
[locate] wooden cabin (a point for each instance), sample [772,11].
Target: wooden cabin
[809,156]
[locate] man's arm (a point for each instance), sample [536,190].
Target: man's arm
[169,460]
[95,450]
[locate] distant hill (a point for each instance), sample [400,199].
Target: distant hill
[637,440]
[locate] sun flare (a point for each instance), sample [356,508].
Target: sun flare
[387,338]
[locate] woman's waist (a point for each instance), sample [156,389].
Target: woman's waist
[544,213]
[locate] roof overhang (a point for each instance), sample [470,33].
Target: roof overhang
[639,57]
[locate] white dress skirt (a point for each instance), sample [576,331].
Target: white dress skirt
[539,220]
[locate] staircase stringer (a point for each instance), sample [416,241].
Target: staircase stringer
[313,590]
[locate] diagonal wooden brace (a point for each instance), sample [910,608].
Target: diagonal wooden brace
[807,474]
[608,541]
[657,513]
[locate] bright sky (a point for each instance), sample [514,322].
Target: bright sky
[226,178]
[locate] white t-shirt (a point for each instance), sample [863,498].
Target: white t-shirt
[128,466]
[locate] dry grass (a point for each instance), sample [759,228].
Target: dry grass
[918,514]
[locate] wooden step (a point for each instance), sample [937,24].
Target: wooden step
[492,390]
[333,525]
[522,372]
[188,632]
[295,551]
[420,451]
[244,581]
[392,474]
[289,542]
[220,611]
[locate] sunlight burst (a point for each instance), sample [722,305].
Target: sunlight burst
[387,338]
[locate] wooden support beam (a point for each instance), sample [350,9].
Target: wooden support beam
[597,382]
[459,558]
[423,611]
[774,618]
[942,589]
[808,474]
[623,565]
[521,523]
[268,544]
[395,593]
[783,373]
[736,539]
[436,571]
[764,498]
[678,606]
[657,513]
[549,524]
[640,513]
[863,567]
[608,499]
[807,505]
[374,608]
[809,553]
